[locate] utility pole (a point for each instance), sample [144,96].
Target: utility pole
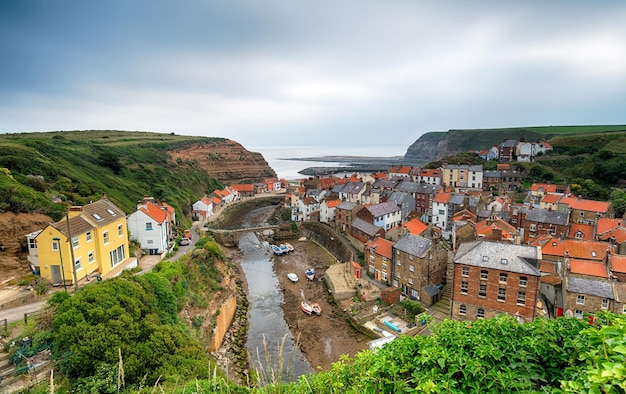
[58,241]
[69,235]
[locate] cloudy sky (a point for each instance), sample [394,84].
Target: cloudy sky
[319,72]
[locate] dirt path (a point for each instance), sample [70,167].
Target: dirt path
[323,339]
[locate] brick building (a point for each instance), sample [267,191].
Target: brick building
[491,278]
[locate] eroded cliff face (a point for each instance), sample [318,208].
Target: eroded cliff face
[227,161]
[430,147]
[13,247]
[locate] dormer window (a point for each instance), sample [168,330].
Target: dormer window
[579,235]
[485,258]
[504,261]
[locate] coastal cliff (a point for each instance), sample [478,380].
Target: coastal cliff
[433,146]
[226,160]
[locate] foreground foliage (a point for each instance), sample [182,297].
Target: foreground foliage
[496,355]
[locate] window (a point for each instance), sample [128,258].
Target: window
[441,212]
[411,268]
[384,267]
[89,236]
[415,294]
[464,287]
[533,227]
[465,271]
[105,237]
[77,265]
[148,226]
[110,211]
[75,243]
[582,213]
[32,243]
[117,256]
[502,294]
[480,313]
[55,246]
[120,230]
[521,298]
[504,261]
[372,269]
[580,299]
[578,313]
[523,281]
[371,257]
[482,290]
[384,276]
[484,274]
[398,274]
[605,303]
[91,258]
[485,258]
[503,278]
[624,309]
[395,283]
[462,309]
[399,263]
[593,253]
[410,281]
[150,242]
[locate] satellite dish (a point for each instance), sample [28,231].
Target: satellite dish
[569,313]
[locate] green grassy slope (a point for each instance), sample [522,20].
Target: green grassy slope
[76,167]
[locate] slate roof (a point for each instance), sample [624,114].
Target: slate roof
[414,245]
[406,186]
[365,227]
[547,216]
[519,258]
[398,197]
[590,287]
[425,188]
[457,199]
[492,174]
[347,205]
[105,209]
[78,225]
[383,208]
[431,290]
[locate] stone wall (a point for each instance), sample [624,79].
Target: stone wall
[223,321]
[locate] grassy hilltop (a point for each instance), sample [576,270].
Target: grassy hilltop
[76,167]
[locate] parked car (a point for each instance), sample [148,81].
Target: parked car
[184,241]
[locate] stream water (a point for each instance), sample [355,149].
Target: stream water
[270,342]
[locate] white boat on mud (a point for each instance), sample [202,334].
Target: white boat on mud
[292,277]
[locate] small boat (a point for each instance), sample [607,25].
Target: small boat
[310,274]
[289,247]
[283,249]
[317,309]
[306,308]
[292,277]
[276,250]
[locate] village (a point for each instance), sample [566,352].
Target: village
[422,234]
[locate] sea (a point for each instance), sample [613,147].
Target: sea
[278,157]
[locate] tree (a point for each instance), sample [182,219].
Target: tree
[618,200]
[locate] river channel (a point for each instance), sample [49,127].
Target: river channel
[270,343]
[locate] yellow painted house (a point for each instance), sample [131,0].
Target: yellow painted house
[90,241]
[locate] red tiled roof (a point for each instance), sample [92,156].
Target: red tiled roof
[551,279]
[243,187]
[154,212]
[442,198]
[585,229]
[464,214]
[333,203]
[381,247]
[400,170]
[552,198]
[503,167]
[590,268]
[586,205]
[585,250]
[618,235]
[618,263]
[415,226]
[547,188]
[430,173]
[606,224]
